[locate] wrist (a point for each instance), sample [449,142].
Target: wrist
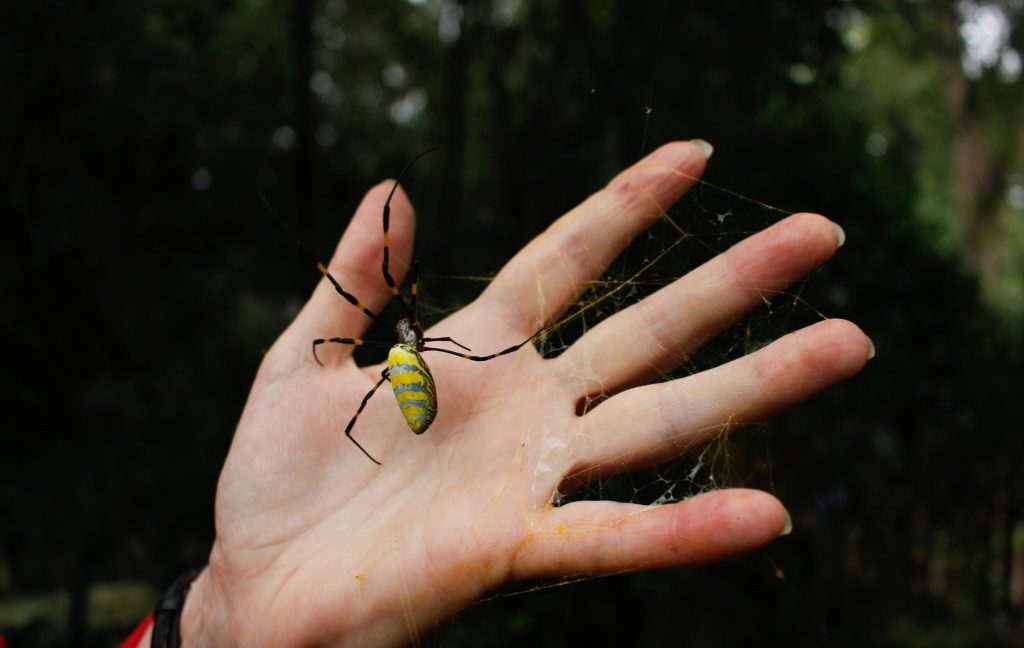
[199,614]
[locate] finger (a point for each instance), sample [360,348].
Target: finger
[649,424]
[541,281]
[599,538]
[656,335]
[356,266]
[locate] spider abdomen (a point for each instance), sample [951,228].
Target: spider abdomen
[414,387]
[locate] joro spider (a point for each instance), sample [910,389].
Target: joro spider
[406,369]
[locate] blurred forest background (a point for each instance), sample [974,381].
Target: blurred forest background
[144,277]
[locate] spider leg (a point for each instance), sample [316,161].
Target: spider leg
[410,312]
[414,288]
[349,297]
[477,358]
[366,399]
[414,273]
[446,339]
[341,340]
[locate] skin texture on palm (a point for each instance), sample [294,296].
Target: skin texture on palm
[317,545]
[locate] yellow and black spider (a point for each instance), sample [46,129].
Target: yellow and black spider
[406,369]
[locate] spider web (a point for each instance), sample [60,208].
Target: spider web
[704,223]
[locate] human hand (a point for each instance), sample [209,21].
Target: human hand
[317,545]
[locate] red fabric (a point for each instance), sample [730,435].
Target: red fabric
[136,636]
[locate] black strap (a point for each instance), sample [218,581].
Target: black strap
[167,615]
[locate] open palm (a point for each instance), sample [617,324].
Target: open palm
[316,544]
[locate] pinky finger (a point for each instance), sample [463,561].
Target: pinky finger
[603,538]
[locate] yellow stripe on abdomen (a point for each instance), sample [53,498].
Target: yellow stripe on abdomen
[413,386]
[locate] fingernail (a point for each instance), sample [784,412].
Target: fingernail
[704,147]
[788,528]
[871,349]
[842,235]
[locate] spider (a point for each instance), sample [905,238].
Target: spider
[406,369]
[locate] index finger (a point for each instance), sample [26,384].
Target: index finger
[540,282]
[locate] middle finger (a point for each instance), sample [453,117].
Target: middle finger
[656,335]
